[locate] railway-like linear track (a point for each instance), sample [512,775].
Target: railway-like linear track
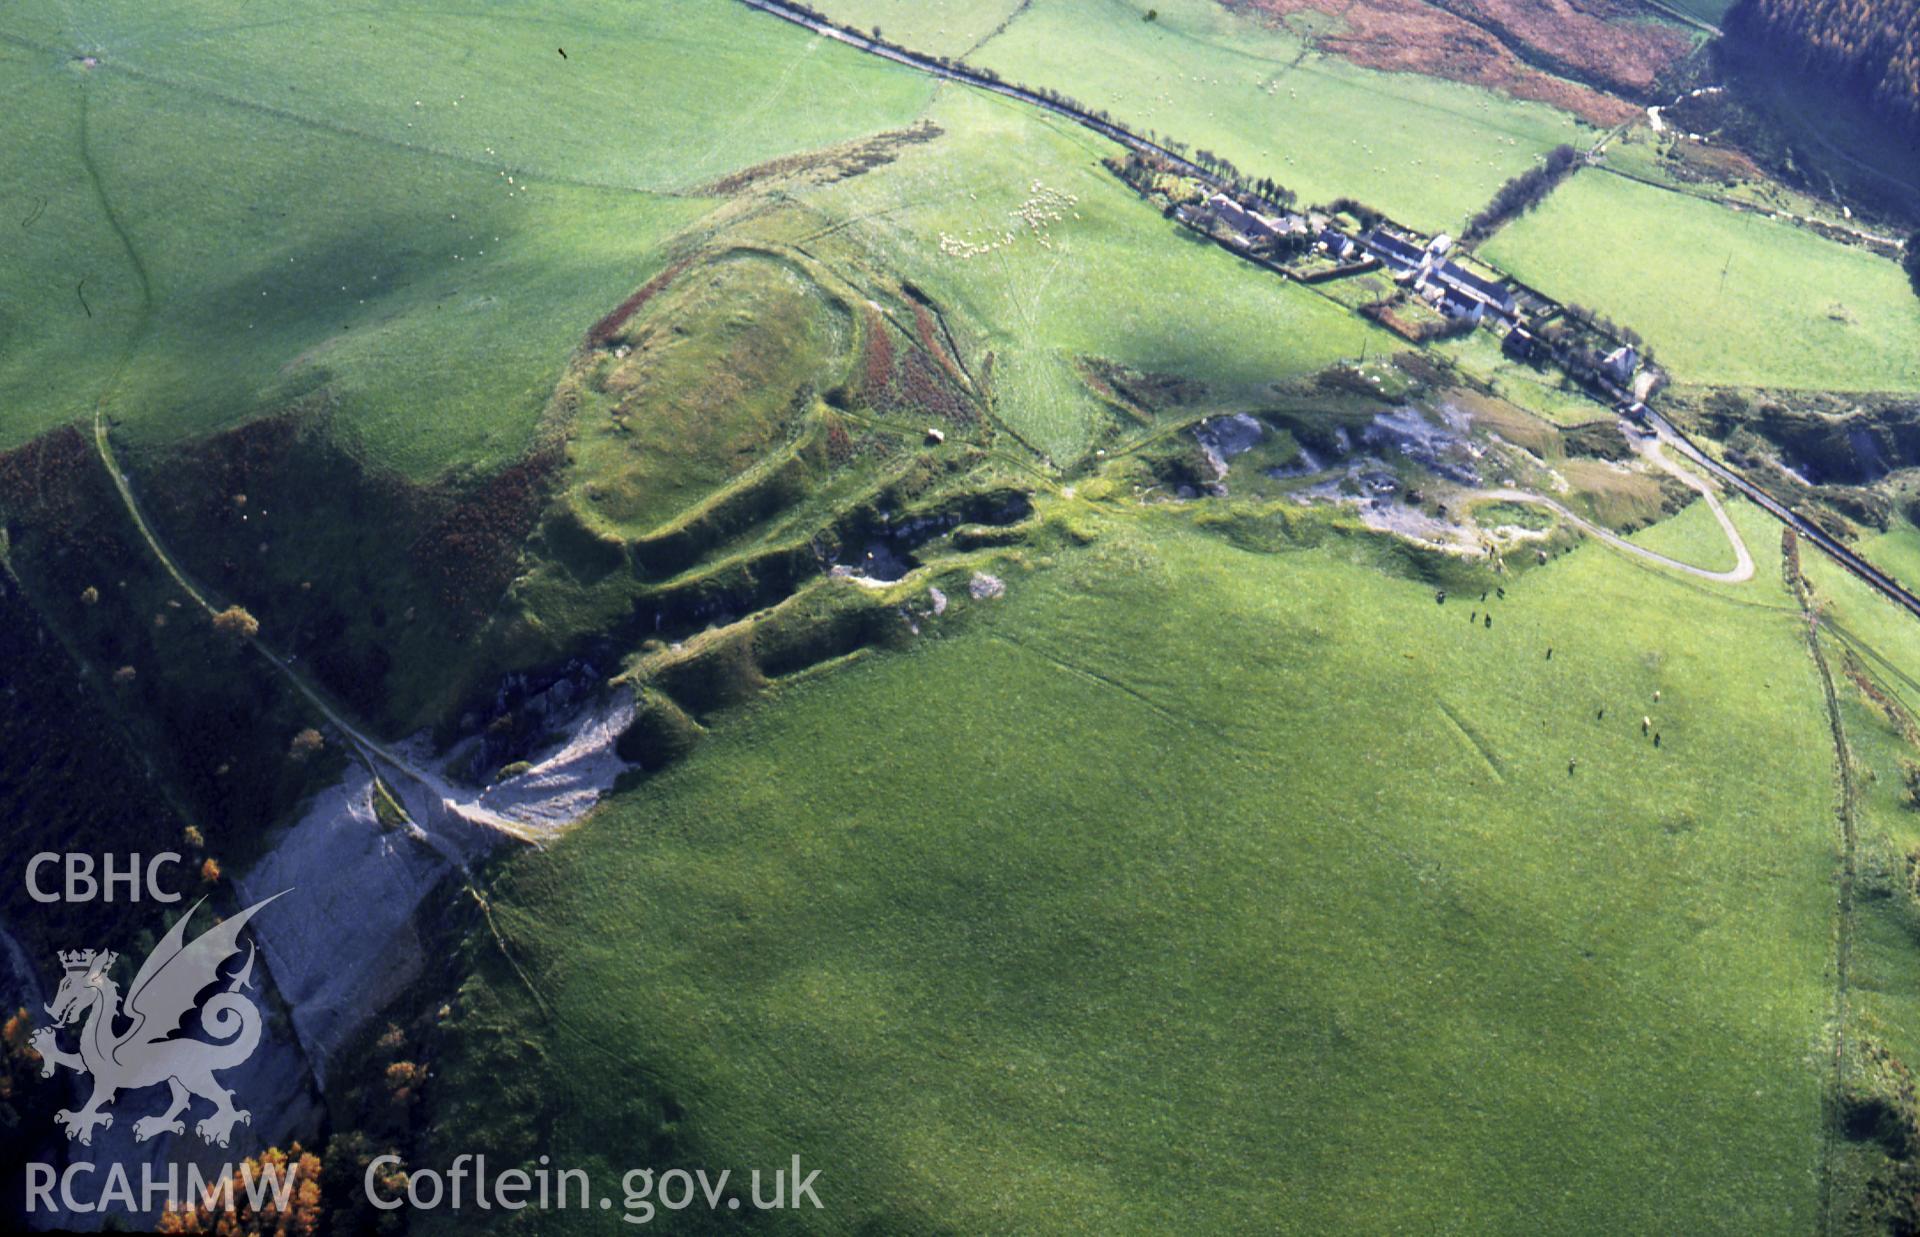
[950,71]
[1834,548]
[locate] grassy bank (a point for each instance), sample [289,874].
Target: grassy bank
[1066,913]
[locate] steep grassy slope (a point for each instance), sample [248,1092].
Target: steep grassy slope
[1106,278]
[1070,911]
[1428,152]
[1724,296]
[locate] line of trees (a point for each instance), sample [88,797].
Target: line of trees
[1911,262]
[1595,321]
[1523,192]
[1363,214]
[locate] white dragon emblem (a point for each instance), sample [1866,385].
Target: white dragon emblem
[146,1053]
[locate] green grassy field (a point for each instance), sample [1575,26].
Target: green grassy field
[1895,551]
[1725,297]
[1426,151]
[1109,278]
[1184,887]
[1063,913]
[941,27]
[419,213]
[1693,536]
[1870,648]
[1874,624]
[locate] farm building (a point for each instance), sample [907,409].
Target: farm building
[1456,304]
[1469,286]
[1620,364]
[1519,344]
[1336,244]
[1251,225]
[1400,255]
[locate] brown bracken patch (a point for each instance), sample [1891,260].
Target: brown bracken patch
[603,331]
[1524,48]
[823,167]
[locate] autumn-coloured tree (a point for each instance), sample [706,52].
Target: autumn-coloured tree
[305,744]
[23,1090]
[235,622]
[89,596]
[403,1082]
[13,1037]
[303,1216]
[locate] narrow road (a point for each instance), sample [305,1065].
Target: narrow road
[1742,570]
[1834,548]
[954,71]
[1860,567]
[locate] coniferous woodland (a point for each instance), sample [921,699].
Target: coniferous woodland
[1875,44]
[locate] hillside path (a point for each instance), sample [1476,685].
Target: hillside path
[1649,448]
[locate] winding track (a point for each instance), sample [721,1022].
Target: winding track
[1868,574]
[380,759]
[1872,576]
[1742,569]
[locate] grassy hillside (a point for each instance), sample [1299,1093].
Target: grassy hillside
[1062,913]
[1724,296]
[1426,151]
[1109,278]
[420,214]
[1869,649]
[943,27]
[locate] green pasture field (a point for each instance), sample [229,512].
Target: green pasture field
[631,106]
[1062,912]
[1428,152]
[252,208]
[1884,633]
[1694,537]
[1870,641]
[1895,551]
[1110,278]
[940,27]
[1724,296]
